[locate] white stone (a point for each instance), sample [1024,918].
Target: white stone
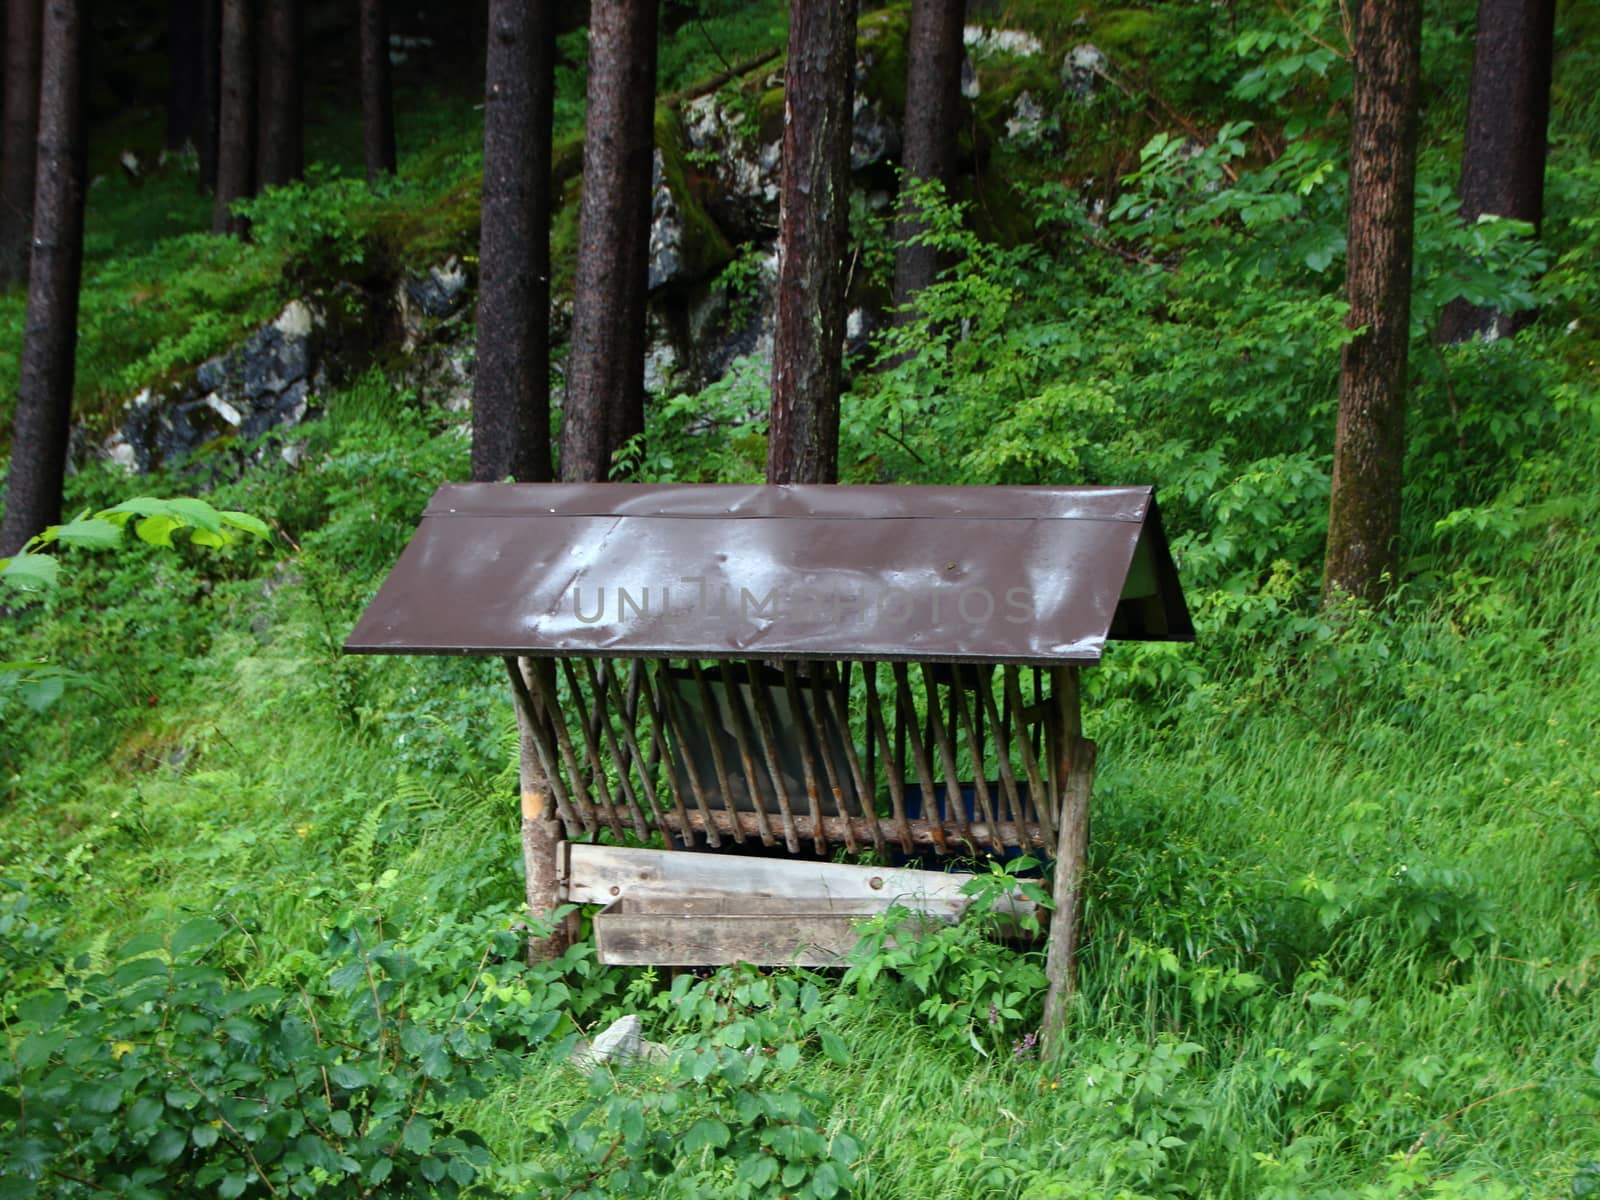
[983,43]
[296,320]
[223,409]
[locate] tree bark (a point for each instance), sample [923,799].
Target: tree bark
[605,368]
[541,829]
[1369,445]
[1508,116]
[280,148]
[236,124]
[511,378]
[19,149]
[933,99]
[44,395]
[377,94]
[813,220]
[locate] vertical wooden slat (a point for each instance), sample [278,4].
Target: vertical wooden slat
[591,748]
[1002,754]
[953,802]
[599,677]
[980,782]
[1075,764]
[654,698]
[807,757]
[1030,761]
[638,687]
[719,764]
[879,732]
[628,705]
[545,694]
[540,733]
[907,712]
[864,799]
[666,696]
[817,712]
[869,682]
[747,758]
[769,749]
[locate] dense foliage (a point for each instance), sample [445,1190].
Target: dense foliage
[259,901]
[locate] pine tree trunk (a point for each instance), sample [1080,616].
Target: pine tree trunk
[377,94]
[1369,446]
[209,67]
[933,99]
[1508,115]
[280,151]
[44,395]
[19,147]
[511,377]
[813,228]
[236,124]
[605,368]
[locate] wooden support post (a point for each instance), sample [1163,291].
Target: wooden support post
[541,830]
[1074,766]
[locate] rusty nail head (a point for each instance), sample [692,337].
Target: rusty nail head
[876,883]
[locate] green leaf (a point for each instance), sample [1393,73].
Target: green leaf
[167,1145]
[31,572]
[231,1186]
[349,1075]
[834,1047]
[102,1098]
[706,1132]
[788,1056]
[200,931]
[418,1135]
[244,521]
[157,529]
[203,537]
[339,1121]
[825,1183]
[94,532]
[196,512]
[204,1136]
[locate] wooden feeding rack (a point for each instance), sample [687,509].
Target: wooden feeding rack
[785,671]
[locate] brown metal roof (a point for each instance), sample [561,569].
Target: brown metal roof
[984,574]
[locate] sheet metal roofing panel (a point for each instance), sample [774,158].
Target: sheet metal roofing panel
[991,574]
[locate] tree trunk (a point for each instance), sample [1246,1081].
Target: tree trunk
[236,125]
[813,218]
[377,95]
[605,368]
[44,395]
[280,152]
[20,145]
[209,68]
[1508,114]
[511,378]
[541,829]
[933,99]
[1369,445]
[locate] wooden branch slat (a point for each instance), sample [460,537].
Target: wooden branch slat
[769,749]
[630,737]
[747,757]
[923,831]
[807,763]
[953,802]
[667,696]
[906,711]
[599,679]
[878,731]
[545,694]
[591,748]
[1002,745]
[819,722]
[980,778]
[654,700]
[840,711]
[719,764]
[540,731]
[1030,762]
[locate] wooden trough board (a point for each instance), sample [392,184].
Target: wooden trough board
[673,908]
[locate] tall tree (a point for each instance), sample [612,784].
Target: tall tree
[44,395]
[511,379]
[377,93]
[236,123]
[813,227]
[209,118]
[280,155]
[1508,114]
[605,368]
[933,98]
[19,147]
[1369,444]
